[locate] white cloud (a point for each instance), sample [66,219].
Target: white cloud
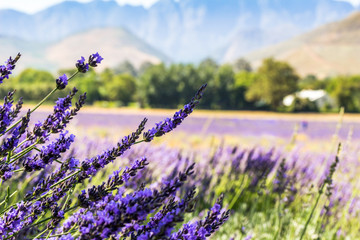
[145,3]
[355,3]
[33,6]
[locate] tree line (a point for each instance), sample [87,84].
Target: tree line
[230,86]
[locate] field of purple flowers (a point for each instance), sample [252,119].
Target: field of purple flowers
[201,185]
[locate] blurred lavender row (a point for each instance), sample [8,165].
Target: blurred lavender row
[220,126]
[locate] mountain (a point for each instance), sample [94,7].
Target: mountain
[331,49]
[185,30]
[115,45]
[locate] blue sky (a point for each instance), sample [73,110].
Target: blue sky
[32,6]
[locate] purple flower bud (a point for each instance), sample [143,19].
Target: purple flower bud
[61,82]
[5,70]
[95,59]
[82,66]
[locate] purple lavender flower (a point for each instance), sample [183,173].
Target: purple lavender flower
[111,214]
[95,59]
[7,114]
[62,82]
[203,228]
[169,124]
[82,66]
[5,70]
[49,153]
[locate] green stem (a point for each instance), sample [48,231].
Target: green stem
[238,193]
[279,218]
[19,170]
[39,104]
[22,153]
[1,203]
[61,234]
[312,211]
[63,180]
[139,142]
[47,237]
[39,235]
[55,184]
[48,218]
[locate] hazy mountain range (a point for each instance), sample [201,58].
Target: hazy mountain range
[186,30]
[331,49]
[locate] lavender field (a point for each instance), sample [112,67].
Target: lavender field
[275,170]
[179,120]
[221,123]
[72,173]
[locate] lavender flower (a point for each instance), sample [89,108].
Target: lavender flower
[112,214]
[49,153]
[7,114]
[101,213]
[95,59]
[203,228]
[61,82]
[5,70]
[82,66]
[169,124]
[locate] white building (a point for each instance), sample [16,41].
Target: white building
[320,97]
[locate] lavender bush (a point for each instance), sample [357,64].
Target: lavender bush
[60,203]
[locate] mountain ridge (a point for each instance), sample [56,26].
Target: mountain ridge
[329,50]
[114,44]
[186,30]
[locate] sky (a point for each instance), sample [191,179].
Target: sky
[356,3]
[33,6]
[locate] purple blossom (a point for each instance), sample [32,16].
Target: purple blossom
[171,123]
[6,70]
[49,153]
[62,82]
[95,59]
[82,66]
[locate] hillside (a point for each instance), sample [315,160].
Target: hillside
[328,50]
[115,45]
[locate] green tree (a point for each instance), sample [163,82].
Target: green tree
[34,84]
[346,91]
[224,86]
[120,87]
[157,88]
[275,80]
[243,81]
[206,71]
[89,83]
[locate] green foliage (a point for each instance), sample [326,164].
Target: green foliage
[155,78]
[275,80]
[346,91]
[120,87]
[243,81]
[229,86]
[303,105]
[89,83]
[31,84]
[311,82]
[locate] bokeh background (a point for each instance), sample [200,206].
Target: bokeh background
[283,83]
